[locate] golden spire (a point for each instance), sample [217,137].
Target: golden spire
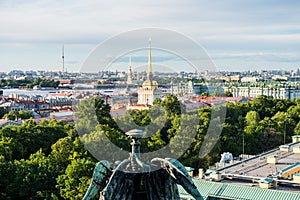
[150,74]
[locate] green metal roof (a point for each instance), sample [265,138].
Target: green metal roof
[237,192]
[266,180]
[205,188]
[285,146]
[296,174]
[274,156]
[189,169]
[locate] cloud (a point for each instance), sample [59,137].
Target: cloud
[218,25]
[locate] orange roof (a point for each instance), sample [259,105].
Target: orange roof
[65,94]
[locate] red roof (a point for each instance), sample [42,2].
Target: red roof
[41,102]
[65,94]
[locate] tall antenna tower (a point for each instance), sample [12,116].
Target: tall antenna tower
[63,59]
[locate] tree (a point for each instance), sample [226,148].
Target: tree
[204,94]
[24,114]
[297,129]
[252,118]
[228,94]
[284,124]
[90,113]
[74,183]
[30,177]
[265,106]
[103,112]
[171,105]
[294,112]
[157,101]
[30,137]
[141,118]
[2,113]
[12,115]
[10,148]
[270,138]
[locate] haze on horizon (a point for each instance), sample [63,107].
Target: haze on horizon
[237,35]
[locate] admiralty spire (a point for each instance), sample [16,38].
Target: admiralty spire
[149,90]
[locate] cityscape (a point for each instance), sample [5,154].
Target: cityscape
[39,96]
[169,100]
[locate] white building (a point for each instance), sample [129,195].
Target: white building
[275,92]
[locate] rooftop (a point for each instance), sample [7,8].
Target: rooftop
[250,172]
[209,189]
[257,166]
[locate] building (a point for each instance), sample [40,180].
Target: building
[6,122]
[8,106]
[271,175]
[278,92]
[188,88]
[249,79]
[129,74]
[149,90]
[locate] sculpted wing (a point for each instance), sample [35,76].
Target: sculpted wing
[102,173]
[179,175]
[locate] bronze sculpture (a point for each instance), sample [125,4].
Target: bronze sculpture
[133,179]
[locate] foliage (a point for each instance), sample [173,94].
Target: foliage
[74,182]
[22,114]
[2,112]
[171,105]
[228,94]
[49,160]
[204,94]
[29,83]
[297,129]
[141,118]
[33,157]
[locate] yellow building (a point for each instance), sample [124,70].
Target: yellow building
[290,171]
[296,178]
[267,183]
[272,160]
[285,148]
[296,138]
[149,90]
[296,149]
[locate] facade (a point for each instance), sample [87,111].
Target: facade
[149,90]
[188,88]
[275,92]
[11,105]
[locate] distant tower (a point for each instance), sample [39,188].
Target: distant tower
[63,59]
[149,90]
[129,75]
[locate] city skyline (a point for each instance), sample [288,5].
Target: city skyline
[237,36]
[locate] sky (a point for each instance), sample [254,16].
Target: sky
[237,35]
